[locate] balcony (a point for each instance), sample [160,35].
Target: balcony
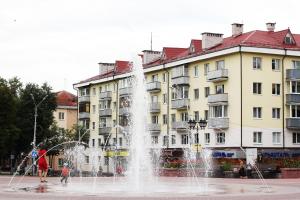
[182,80]
[218,123]
[292,98]
[217,98]
[105,130]
[125,91]
[124,111]
[293,123]
[154,107]
[154,86]
[217,75]
[293,74]
[154,128]
[105,112]
[84,115]
[124,129]
[84,99]
[105,95]
[180,104]
[180,125]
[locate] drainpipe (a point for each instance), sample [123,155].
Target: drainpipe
[168,105]
[241,77]
[283,98]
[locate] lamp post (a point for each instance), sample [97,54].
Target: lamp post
[34,128]
[196,124]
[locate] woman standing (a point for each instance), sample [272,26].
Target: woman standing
[43,165]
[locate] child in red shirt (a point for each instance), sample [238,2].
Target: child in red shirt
[43,165]
[65,173]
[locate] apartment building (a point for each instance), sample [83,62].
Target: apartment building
[247,87]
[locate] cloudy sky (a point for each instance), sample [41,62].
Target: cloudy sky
[61,41]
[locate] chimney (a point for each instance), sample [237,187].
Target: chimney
[105,67]
[237,29]
[270,26]
[149,55]
[211,39]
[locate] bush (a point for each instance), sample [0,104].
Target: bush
[290,163]
[226,166]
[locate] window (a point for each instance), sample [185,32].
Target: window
[219,111]
[275,89]
[219,89]
[276,113]
[154,139]
[165,140]
[164,98]
[221,138]
[196,115]
[154,99]
[206,68]
[184,139]
[174,93]
[61,115]
[196,138]
[196,94]
[154,119]
[196,71]
[94,91]
[93,143]
[276,137]
[288,40]
[180,71]
[275,64]
[220,65]
[257,112]
[154,77]
[173,137]
[296,138]
[94,125]
[120,141]
[114,141]
[183,92]
[100,89]
[256,88]
[99,142]
[184,117]
[206,91]
[165,119]
[106,160]
[94,109]
[295,86]
[296,64]
[87,159]
[173,117]
[256,63]
[295,110]
[164,76]
[207,138]
[206,114]
[257,137]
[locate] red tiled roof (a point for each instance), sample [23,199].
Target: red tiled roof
[122,67]
[64,98]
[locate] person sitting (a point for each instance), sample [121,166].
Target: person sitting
[242,170]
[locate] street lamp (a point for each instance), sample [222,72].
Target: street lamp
[34,128]
[196,124]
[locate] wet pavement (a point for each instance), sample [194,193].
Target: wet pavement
[162,188]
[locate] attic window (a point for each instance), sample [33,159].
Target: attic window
[192,49]
[164,56]
[288,40]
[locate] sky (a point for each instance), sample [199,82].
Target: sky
[61,42]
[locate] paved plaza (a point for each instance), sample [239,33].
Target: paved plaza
[168,188]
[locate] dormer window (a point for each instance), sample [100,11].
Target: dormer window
[164,56]
[192,49]
[288,39]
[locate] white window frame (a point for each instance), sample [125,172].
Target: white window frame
[220,138]
[257,88]
[276,89]
[257,112]
[207,138]
[275,64]
[196,96]
[196,71]
[206,68]
[296,64]
[257,137]
[276,137]
[276,113]
[257,63]
[296,136]
[61,116]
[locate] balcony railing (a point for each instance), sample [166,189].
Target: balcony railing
[84,115]
[104,130]
[180,125]
[217,75]
[125,91]
[217,98]
[105,112]
[182,80]
[293,74]
[124,111]
[293,123]
[105,95]
[218,123]
[154,127]
[84,99]
[180,104]
[154,107]
[154,86]
[292,98]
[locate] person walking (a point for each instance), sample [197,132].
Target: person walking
[65,173]
[42,164]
